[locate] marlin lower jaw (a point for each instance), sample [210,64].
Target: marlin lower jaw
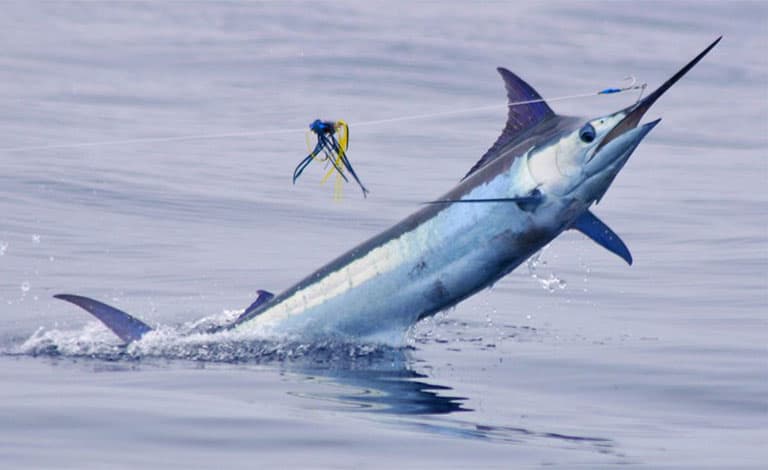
[599,172]
[618,150]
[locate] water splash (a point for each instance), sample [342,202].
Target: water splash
[550,282]
[197,341]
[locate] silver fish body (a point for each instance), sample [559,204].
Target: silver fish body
[430,261]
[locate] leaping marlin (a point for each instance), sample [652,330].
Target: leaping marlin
[540,178]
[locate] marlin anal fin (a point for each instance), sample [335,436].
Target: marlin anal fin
[263,297]
[601,234]
[126,327]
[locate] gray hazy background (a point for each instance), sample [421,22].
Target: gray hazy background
[659,365]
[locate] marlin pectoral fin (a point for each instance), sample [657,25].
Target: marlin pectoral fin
[594,228]
[126,327]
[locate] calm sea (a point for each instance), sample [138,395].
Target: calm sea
[140,166]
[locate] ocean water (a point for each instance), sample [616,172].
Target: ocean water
[141,166]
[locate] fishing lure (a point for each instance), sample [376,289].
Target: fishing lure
[330,149]
[630,87]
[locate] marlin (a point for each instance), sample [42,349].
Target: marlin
[540,178]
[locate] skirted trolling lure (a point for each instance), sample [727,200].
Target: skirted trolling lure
[332,150]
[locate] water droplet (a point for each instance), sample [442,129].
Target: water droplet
[35,238]
[3,247]
[25,287]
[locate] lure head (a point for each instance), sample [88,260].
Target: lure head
[322,127]
[582,164]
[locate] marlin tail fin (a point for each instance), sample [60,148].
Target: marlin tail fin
[126,327]
[594,228]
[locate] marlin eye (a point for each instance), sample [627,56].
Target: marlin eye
[587,133]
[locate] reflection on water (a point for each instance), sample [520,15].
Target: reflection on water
[383,383]
[377,381]
[386,385]
[403,393]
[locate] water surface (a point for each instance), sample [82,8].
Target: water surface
[573,360]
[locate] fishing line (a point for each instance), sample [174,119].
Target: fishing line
[607,91]
[148,140]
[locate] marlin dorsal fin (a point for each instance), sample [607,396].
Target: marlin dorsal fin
[594,228]
[520,117]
